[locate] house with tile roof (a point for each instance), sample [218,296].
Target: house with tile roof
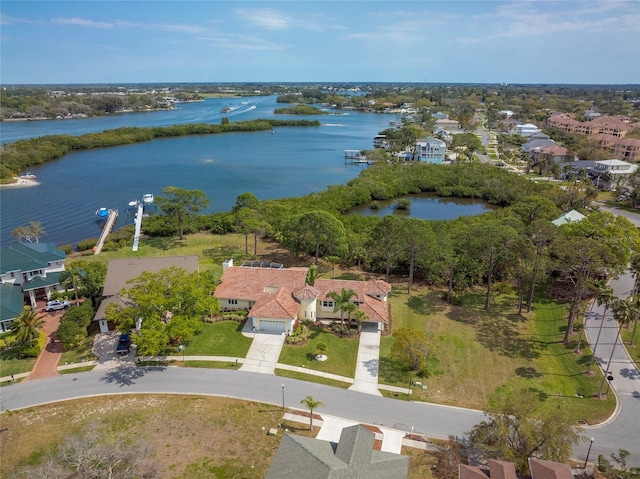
[277,299]
[33,268]
[506,470]
[121,271]
[353,456]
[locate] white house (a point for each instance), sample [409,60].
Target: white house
[431,150]
[607,174]
[276,299]
[527,129]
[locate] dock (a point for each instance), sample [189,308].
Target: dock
[108,227]
[136,236]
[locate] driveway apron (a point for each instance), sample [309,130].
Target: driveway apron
[366,378]
[264,353]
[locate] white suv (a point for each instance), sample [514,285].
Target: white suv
[54,305]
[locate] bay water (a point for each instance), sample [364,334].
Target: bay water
[293,161]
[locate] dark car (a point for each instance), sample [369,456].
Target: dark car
[124,344]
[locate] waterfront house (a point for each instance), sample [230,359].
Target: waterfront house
[33,268]
[276,299]
[352,457]
[431,150]
[121,271]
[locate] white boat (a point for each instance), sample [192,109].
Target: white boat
[134,203]
[28,176]
[147,198]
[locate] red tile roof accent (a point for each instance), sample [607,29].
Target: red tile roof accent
[279,305]
[471,472]
[249,283]
[548,470]
[502,469]
[306,292]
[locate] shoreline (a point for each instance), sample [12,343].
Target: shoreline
[20,183]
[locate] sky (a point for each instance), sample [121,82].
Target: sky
[100,41]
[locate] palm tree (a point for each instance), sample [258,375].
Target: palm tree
[311,404]
[360,316]
[28,325]
[72,277]
[343,304]
[604,296]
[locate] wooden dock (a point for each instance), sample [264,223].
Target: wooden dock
[108,227]
[136,236]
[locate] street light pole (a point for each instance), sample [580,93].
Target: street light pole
[283,398]
[588,452]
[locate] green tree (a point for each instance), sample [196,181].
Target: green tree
[317,232]
[71,335]
[86,278]
[411,346]
[180,204]
[342,303]
[170,303]
[418,242]
[383,241]
[311,405]
[27,326]
[514,432]
[604,297]
[31,233]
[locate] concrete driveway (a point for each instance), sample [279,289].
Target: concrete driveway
[366,377]
[104,347]
[264,353]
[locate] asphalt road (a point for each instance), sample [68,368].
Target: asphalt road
[433,420]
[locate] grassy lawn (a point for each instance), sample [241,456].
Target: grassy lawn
[81,354]
[219,339]
[311,378]
[342,354]
[189,437]
[9,365]
[479,355]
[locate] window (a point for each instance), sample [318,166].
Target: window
[327,304]
[232,301]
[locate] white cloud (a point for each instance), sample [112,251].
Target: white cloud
[82,22]
[265,18]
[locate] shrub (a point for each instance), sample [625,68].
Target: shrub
[67,248]
[374,205]
[71,334]
[87,244]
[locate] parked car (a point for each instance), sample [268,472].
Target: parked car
[124,344]
[57,304]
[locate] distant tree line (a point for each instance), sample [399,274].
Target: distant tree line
[23,154]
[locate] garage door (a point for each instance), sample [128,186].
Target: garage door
[271,326]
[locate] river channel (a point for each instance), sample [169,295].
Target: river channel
[291,162]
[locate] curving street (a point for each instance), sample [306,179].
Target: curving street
[622,430]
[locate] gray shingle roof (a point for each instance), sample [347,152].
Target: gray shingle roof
[352,458]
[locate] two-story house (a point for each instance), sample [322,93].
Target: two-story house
[607,174]
[28,272]
[277,299]
[430,150]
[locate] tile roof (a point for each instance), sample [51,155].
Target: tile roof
[471,472]
[249,283]
[41,282]
[502,469]
[280,305]
[548,470]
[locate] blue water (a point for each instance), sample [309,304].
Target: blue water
[292,162]
[427,207]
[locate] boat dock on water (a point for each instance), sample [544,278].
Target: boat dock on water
[356,156]
[111,216]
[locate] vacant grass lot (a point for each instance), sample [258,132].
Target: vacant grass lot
[190,437]
[478,355]
[341,353]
